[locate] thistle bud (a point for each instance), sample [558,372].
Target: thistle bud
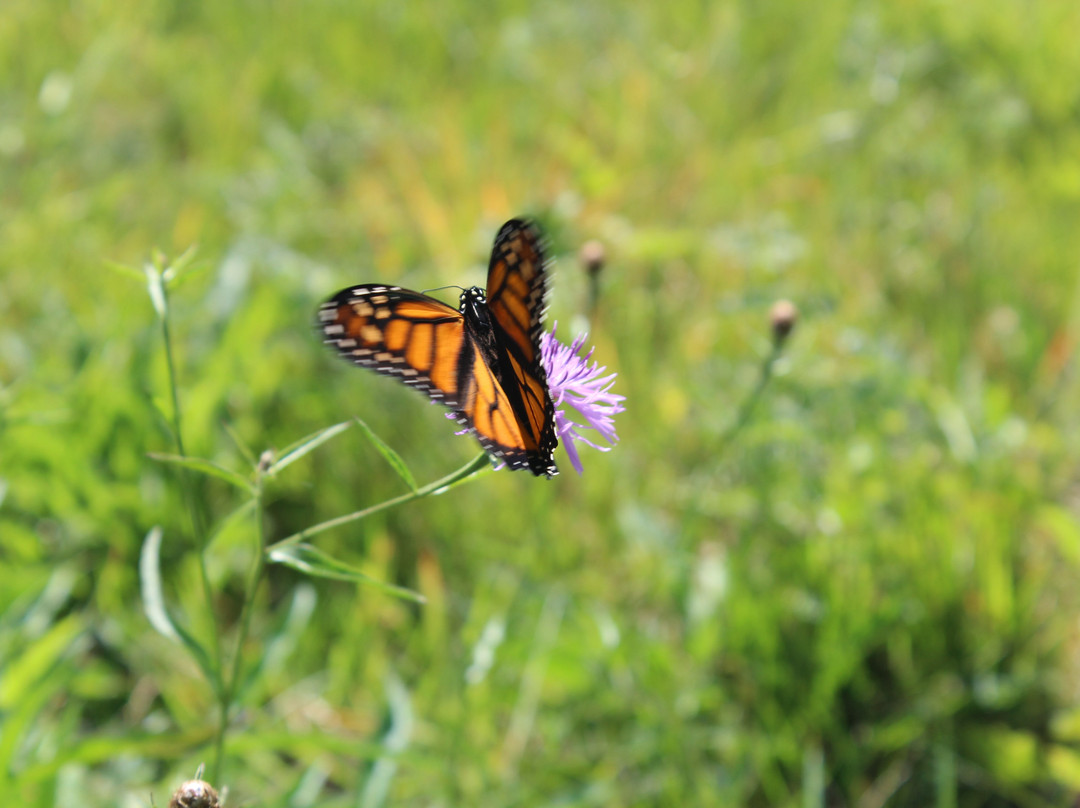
[783,316]
[195,794]
[592,256]
[592,260]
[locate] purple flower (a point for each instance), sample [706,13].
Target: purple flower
[573,380]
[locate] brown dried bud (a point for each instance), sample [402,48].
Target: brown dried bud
[195,794]
[783,316]
[592,256]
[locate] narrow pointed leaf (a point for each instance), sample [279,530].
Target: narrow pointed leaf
[206,467]
[175,278]
[155,289]
[308,444]
[312,561]
[153,597]
[173,272]
[245,450]
[479,465]
[226,522]
[470,471]
[389,455]
[125,270]
[283,643]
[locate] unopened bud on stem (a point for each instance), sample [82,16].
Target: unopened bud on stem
[783,316]
[195,794]
[592,256]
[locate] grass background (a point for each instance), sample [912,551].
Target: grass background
[867,597]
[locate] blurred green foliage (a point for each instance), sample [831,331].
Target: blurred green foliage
[865,597]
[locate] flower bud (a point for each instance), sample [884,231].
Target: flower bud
[592,256]
[783,316]
[195,794]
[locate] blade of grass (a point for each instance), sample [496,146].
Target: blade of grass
[396,740]
[35,661]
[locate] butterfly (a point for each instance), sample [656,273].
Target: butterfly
[482,360]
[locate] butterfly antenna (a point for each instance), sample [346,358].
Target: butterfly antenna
[441,288]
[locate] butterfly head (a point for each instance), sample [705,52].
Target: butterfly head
[474,304]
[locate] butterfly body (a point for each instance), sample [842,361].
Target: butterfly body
[482,360]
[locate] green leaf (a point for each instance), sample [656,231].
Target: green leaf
[206,467]
[470,471]
[311,442]
[479,465]
[280,646]
[226,522]
[23,712]
[245,450]
[396,740]
[123,269]
[173,271]
[104,747]
[33,663]
[153,597]
[156,289]
[389,455]
[312,561]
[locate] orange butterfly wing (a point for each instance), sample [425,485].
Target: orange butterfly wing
[516,299]
[400,333]
[482,361]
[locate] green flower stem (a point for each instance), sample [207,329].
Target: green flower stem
[751,401]
[228,692]
[469,469]
[194,512]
